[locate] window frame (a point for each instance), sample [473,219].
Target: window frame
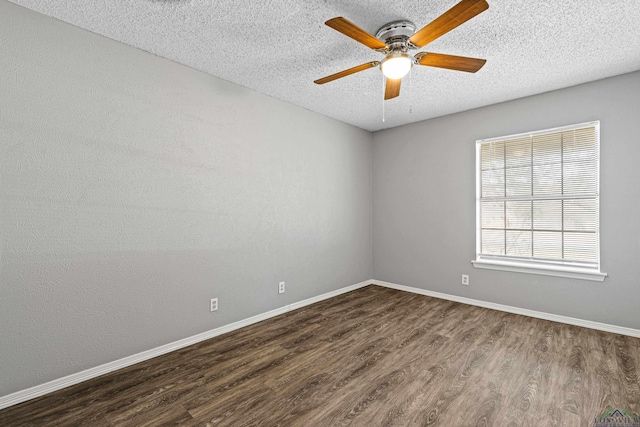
[558,268]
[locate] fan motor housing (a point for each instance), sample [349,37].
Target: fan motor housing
[396,32]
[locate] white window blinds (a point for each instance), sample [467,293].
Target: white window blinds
[538,197]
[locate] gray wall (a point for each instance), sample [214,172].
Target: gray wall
[133,189]
[424,203]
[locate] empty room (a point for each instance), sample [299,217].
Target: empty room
[319,213]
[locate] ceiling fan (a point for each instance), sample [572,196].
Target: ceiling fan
[400,37]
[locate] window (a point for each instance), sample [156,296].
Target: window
[538,202]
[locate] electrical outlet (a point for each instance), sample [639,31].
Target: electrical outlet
[281,288]
[213,304]
[465,279]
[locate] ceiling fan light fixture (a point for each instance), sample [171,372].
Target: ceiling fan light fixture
[396,38]
[396,66]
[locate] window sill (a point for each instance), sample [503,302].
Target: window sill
[558,271]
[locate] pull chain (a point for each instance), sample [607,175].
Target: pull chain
[384,81]
[410,92]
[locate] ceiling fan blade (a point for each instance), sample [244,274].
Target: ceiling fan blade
[350,29]
[345,73]
[392,88]
[451,62]
[457,15]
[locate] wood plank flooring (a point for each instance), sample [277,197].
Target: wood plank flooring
[372,357]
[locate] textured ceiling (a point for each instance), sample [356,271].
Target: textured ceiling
[279,47]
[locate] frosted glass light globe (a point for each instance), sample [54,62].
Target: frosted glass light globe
[396,66]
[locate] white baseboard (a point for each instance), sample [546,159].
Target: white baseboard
[516,310]
[69,380]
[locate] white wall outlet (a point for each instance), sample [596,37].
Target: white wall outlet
[281,288]
[465,279]
[213,304]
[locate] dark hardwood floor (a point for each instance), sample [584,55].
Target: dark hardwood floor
[372,357]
